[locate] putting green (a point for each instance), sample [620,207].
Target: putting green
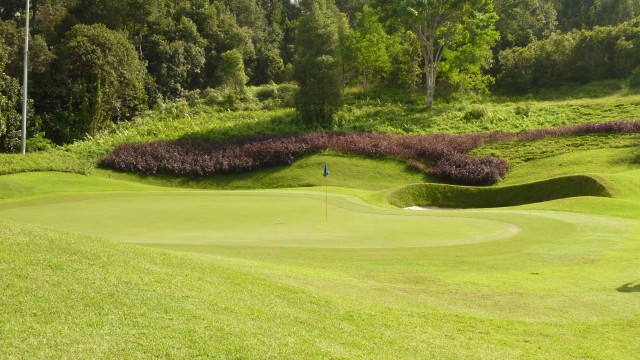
[292,219]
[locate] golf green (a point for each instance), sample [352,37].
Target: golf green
[291,219]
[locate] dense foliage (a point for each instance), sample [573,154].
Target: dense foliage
[318,63]
[99,79]
[171,50]
[578,56]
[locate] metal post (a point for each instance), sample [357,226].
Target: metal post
[24,84]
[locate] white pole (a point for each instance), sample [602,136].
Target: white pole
[24,84]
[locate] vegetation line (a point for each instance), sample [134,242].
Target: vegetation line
[446,152]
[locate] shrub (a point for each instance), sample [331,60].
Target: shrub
[634,79]
[266,92]
[523,110]
[475,113]
[465,170]
[197,158]
[39,143]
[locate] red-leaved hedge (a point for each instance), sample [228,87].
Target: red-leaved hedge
[465,170]
[247,154]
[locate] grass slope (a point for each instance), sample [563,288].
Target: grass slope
[453,196]
[227,276]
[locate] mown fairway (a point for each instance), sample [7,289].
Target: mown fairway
[255,274]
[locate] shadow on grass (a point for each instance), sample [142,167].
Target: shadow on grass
[594,89]
[630,287]
[286,123]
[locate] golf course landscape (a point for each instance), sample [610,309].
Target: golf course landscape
[320,179]
[285,263]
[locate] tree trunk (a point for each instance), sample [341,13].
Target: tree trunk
[429,71]
[429,79]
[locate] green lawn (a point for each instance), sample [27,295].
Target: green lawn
[101,266]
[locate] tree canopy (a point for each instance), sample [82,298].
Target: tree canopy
[95,62]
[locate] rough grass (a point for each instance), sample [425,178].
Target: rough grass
[45,161]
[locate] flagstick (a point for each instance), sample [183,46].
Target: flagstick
[326,201]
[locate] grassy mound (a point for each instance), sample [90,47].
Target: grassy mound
[451,196]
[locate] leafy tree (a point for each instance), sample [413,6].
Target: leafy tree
[521,22]
[404,51]
[13,38]
[176,55]
[9,98]
[351,8]
[586,14]
[443,27]
[573,14]
[231,70]
[613,12]
[574,57]
[9,8]
[318,63]
[132,16]
[97,78]
[367,48]
[270,67]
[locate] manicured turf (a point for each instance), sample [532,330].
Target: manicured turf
[99,267]
[291,219]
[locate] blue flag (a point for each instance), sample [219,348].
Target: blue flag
[326,170]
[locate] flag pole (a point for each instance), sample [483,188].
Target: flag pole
[326,193]
[25,82]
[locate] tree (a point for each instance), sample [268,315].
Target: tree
[573,14]
[176,55]
[9,104]
[586,14]
[231,71]
[521,22]
[98,79]
[613,12]
[405,55]
[446,26]
[367,48]
[318,63]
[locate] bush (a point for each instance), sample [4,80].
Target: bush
[247,154]
[634,79]
[266,92]
[203,159]
[475,113]
[39,143]
[465,170]
[523,110]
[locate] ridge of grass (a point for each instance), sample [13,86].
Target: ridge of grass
[453,196]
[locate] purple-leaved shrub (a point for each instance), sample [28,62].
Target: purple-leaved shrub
[448,152]
[465,170]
